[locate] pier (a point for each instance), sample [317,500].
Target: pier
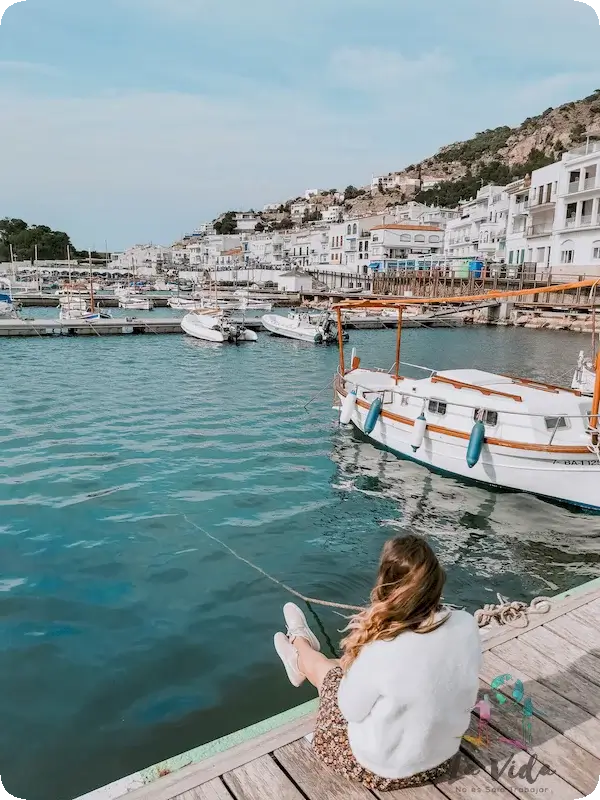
[556,658]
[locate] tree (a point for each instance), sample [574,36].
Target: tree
[285,224]
[227,224]
[351,192]
[51,245]
[260,227]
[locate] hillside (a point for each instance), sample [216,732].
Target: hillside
[498,155]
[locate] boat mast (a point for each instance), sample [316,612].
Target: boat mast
[69,267]
[92,309]
[398,344]
[594,419]
[341,340]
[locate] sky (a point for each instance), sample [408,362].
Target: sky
[132,121]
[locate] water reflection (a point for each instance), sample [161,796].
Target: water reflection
[480,533]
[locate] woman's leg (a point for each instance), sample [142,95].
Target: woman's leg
[311,663]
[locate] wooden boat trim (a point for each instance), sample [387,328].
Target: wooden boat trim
[544,387]
[483,389]
[489,440]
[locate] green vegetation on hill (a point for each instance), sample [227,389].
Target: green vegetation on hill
[51,245]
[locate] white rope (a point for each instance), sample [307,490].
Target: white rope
[506,612]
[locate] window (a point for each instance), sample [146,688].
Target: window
[567,256]
[556,423]
[487,417]
[349,229]
[510,257]
[522,257]
[419,238]
[405,237]
[355,228]
[437,407]
[596,250]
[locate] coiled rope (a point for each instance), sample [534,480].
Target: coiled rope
[506,612]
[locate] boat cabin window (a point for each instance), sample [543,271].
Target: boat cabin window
[487,417]
[556,423]
[437,407]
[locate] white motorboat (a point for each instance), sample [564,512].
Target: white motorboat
[213,325]
[7,305]
[499,431]
[584,379]
[304,326]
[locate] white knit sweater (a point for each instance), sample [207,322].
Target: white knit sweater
[408,701]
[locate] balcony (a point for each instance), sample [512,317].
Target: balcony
[584,150]
[588,184]
[545,203]
[522,208]
[571,222]
[539,230]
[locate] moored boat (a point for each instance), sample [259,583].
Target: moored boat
[213,325]
[305,327]
[7,305]
[501,431]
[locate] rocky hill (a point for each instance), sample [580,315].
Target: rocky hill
[498,155]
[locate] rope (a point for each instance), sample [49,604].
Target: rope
[299,595]
[506,612]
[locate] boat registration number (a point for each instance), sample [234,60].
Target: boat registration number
[571,463]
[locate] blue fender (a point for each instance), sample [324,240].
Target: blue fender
[373,415]
[476,443]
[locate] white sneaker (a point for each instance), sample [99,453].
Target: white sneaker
[289,655]
[298,626]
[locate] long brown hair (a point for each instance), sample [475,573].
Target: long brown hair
[406,597]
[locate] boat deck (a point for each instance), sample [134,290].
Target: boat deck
[557,659]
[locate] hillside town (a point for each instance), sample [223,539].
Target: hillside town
[548,221]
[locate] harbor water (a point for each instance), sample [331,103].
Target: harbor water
[126,634]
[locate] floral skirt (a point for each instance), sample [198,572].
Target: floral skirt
[332,746]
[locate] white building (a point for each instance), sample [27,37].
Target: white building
[391,243]
[394,180]
[575,249]
[299,210]
[271,207]
[295,281]
[333,214]
[518,215]
[310,193]
[204,253]
[246,221]
[479,229]
[349,244]
[148,257]
[540,220]
[422,214]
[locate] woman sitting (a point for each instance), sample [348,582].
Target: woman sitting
[394,709]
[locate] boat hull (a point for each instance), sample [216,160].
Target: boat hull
[207,330]
[571,479]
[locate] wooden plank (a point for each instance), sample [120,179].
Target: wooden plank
[575,631]
[565,682]
[198,774]
[471,779]
[565,653]
[573,763]
[519,772]
[558,610]
[261,779]
[213,790]
[576,724]
[314,779]
[587,616]
[427,792]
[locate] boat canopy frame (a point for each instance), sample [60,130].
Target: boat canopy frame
[400,303]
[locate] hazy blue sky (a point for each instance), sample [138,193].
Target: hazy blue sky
[134,120]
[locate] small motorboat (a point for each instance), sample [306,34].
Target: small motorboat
[304,326]
[183,304]
[7,305]
[247,303]
[214,325]
[135,302]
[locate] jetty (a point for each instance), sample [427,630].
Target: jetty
[542,673]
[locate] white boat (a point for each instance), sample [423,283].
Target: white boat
[135,302]
[7,305]
[75,308]
[304,326]
[496,430]
[247,303]
[213,325]
[584,379]
[183,304]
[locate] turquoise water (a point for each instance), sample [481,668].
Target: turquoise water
[127,636]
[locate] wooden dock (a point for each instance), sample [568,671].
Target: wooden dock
[556,659]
